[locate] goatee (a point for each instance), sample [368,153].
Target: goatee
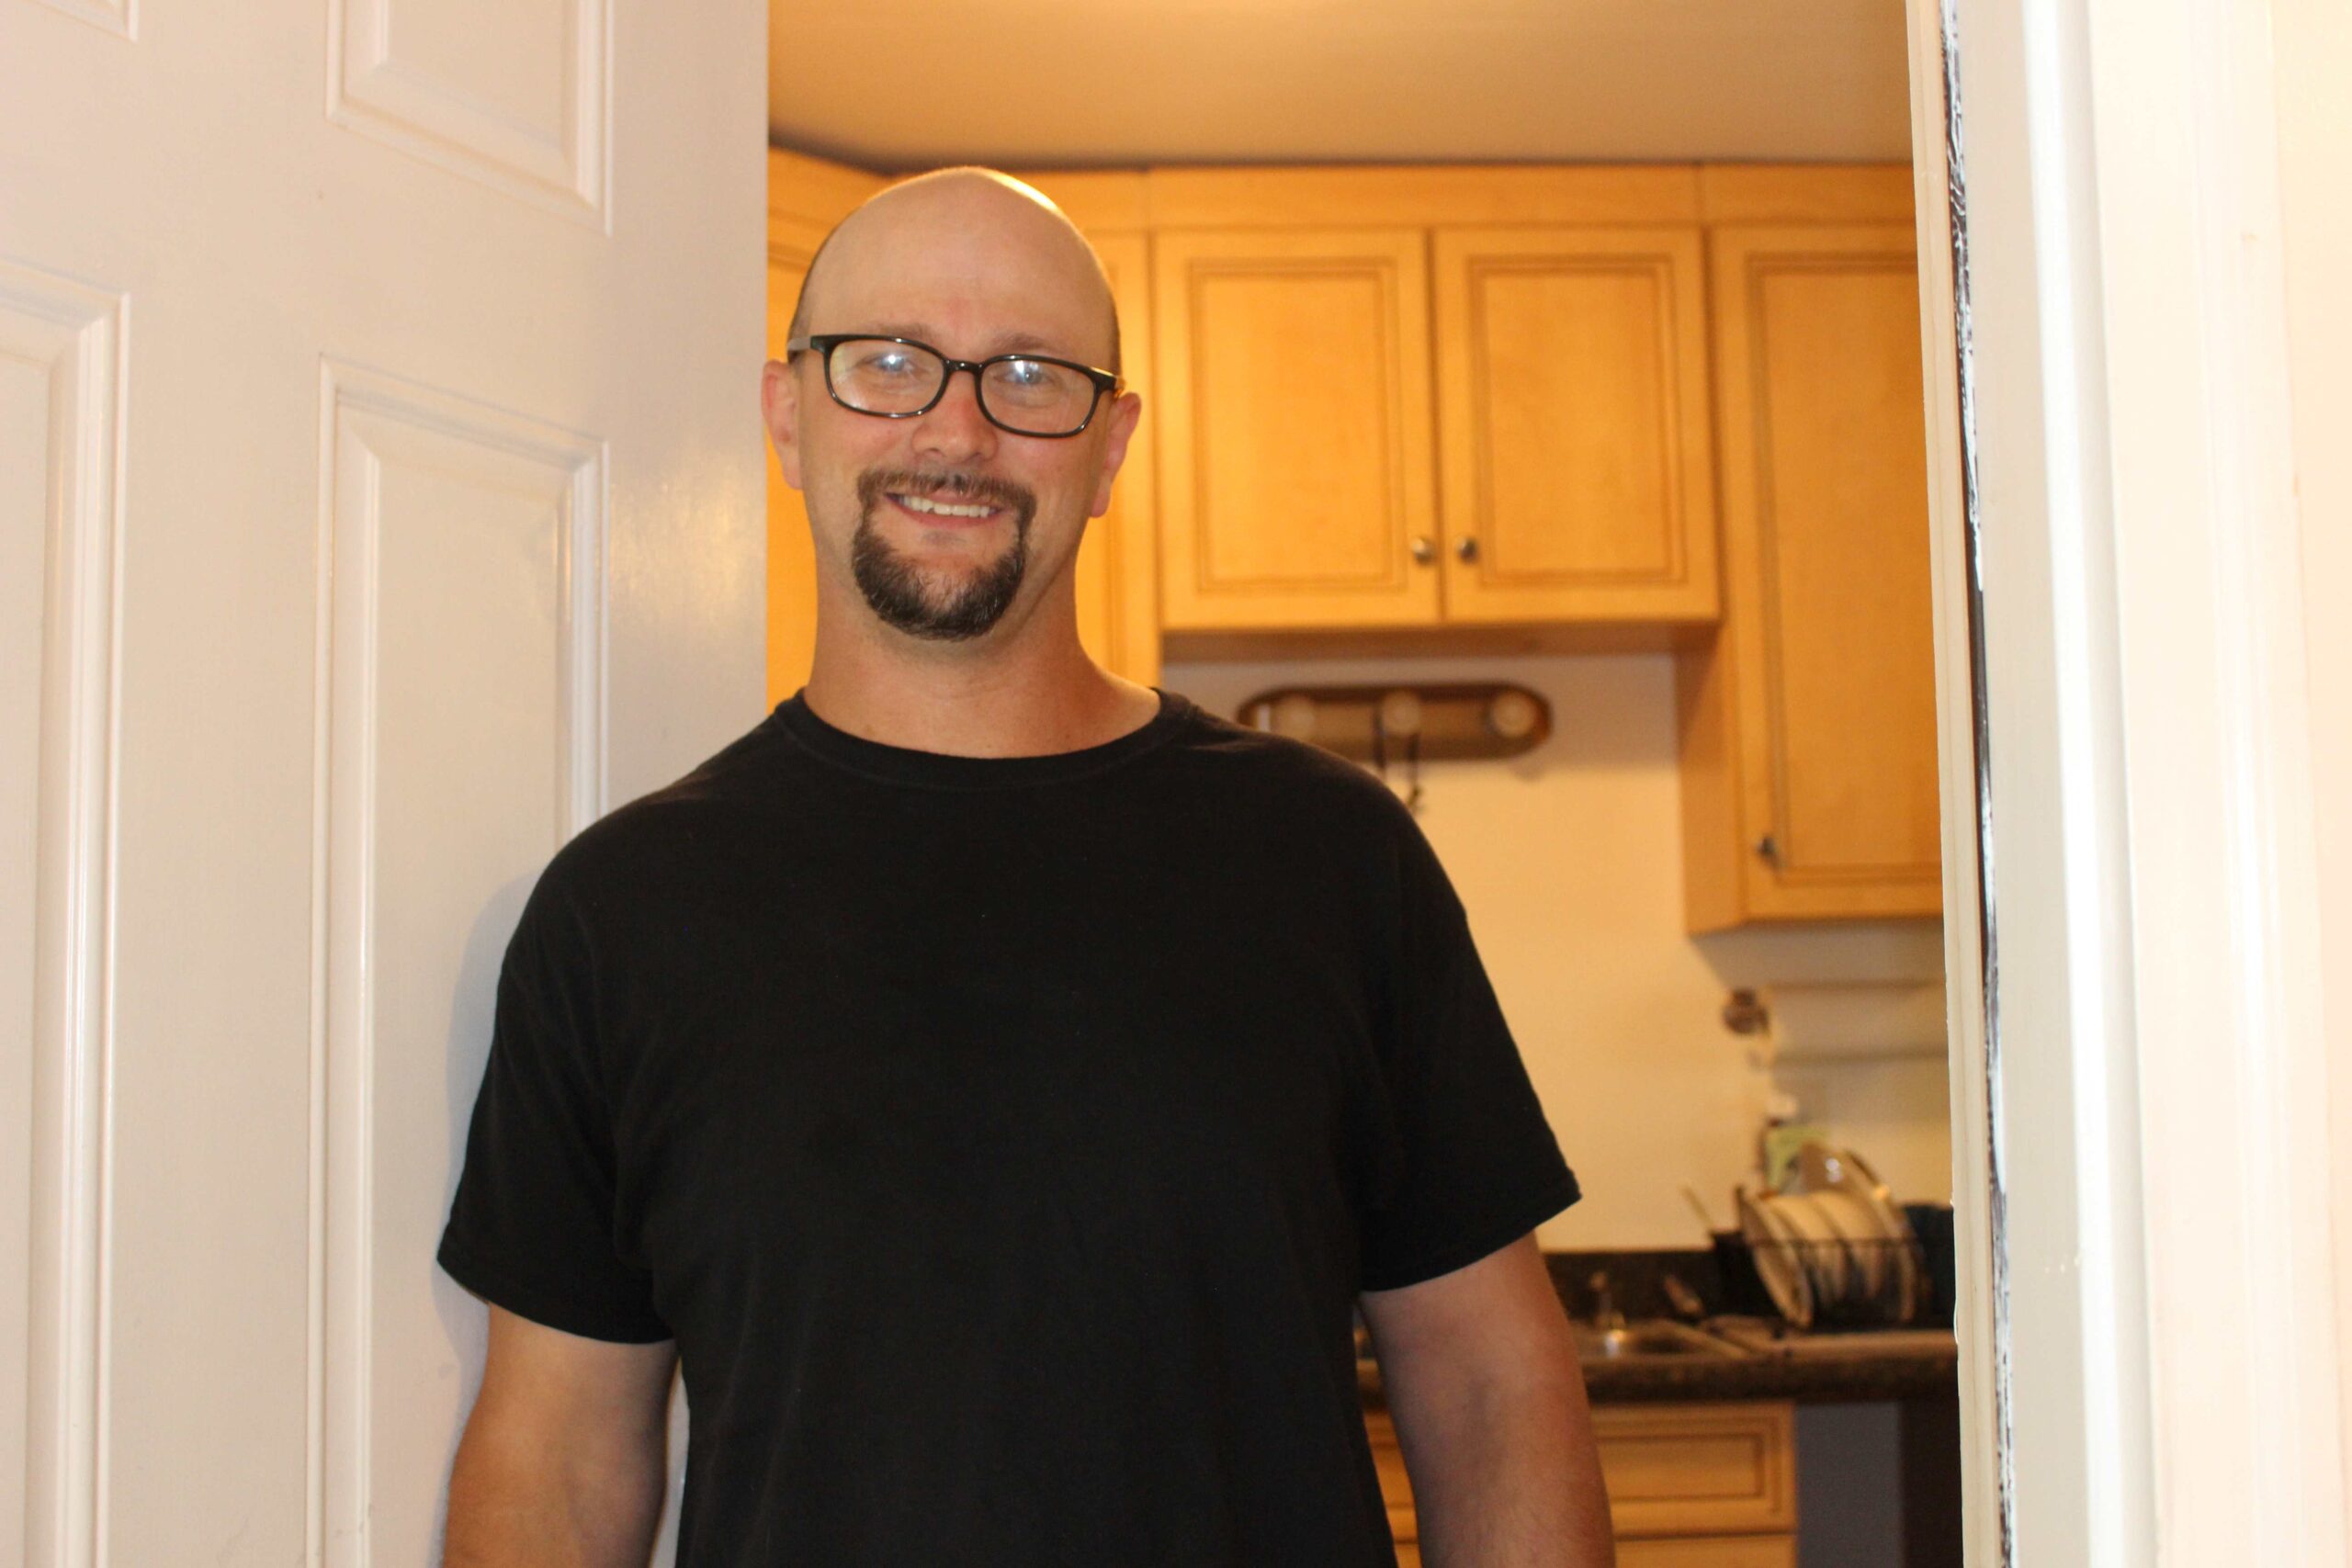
[900,592]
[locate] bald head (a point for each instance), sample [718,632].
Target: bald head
[999,235]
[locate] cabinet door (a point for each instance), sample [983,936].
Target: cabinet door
[1396,1486]
[1679,1469]
[1824,675]
[1295,443]
[1710,1552]
[1578,476]
[1118,566]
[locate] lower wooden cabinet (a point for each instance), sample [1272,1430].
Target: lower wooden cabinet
[1708,1551]
[1689,1485]
[1688,1551]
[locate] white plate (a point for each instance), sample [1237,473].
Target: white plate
[1776,1263]
[1827,1257]
[1857,1224]
[1863,1183]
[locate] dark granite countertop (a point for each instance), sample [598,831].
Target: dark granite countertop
[1760,1358]
[1853,1368]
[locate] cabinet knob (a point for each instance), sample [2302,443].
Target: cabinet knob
[1424,552]
[1768,848]
[1466,547]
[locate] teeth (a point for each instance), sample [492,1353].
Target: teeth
[922,503]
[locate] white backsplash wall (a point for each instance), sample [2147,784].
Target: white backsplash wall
[1568,860]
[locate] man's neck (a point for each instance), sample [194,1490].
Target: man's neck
[1035,697]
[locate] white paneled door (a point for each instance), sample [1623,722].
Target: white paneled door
[380,499]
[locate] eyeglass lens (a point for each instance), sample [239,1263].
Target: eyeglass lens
[1035,397]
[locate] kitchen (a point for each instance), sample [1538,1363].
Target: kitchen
[1666,1013]
[383,505]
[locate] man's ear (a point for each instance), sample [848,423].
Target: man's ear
[780,407]
[1124,414]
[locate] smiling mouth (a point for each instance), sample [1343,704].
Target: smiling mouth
[928,506]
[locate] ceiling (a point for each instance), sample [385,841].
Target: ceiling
[900,84]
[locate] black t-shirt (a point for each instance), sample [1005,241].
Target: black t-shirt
[1004,1141]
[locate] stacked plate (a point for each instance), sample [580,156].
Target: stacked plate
[1831,1245]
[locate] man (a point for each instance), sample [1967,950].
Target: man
[993,1081]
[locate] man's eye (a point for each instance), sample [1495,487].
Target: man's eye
[890,363]
[1027,373]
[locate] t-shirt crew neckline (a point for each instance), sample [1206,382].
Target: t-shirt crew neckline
[798,722]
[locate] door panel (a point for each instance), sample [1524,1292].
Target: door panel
[463,642]
[1699,1468]
[393,371]
[1825,499]
[1710,1552]
[1579,479]
[510,95]
[1295,440]
[60,391]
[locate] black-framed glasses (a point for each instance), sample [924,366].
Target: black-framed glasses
[899,377]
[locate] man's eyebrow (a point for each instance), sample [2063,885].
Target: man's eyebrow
[1011,343]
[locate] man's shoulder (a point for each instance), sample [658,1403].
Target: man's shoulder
[709,809]
[1284,775]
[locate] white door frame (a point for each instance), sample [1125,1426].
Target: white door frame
[2149,1354]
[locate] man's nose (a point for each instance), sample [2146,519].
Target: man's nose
[955,429]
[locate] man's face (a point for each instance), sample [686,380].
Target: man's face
[946,522]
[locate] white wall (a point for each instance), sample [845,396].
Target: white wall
[1569,861]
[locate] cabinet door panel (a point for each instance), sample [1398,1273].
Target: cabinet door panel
[1395,1485]
[1824,509]
[1699,1468]
[1710,1551]
[1576,460]
[1296,443]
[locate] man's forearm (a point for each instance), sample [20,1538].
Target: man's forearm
[1509,1478]
[517,1505]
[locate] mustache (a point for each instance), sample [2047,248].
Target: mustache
[965,489]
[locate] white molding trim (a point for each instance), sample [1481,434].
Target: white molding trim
[343,1062]
[1979,1309]
[81,335]
[2232,1133]
[2156,1134]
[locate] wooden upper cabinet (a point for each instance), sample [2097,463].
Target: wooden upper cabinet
[1294,429]
[1809,725]
[1578,480]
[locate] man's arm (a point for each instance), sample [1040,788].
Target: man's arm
[1482,1380]
[562,1464]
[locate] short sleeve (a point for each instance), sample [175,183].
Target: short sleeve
[531,1228]
[1466,1161]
